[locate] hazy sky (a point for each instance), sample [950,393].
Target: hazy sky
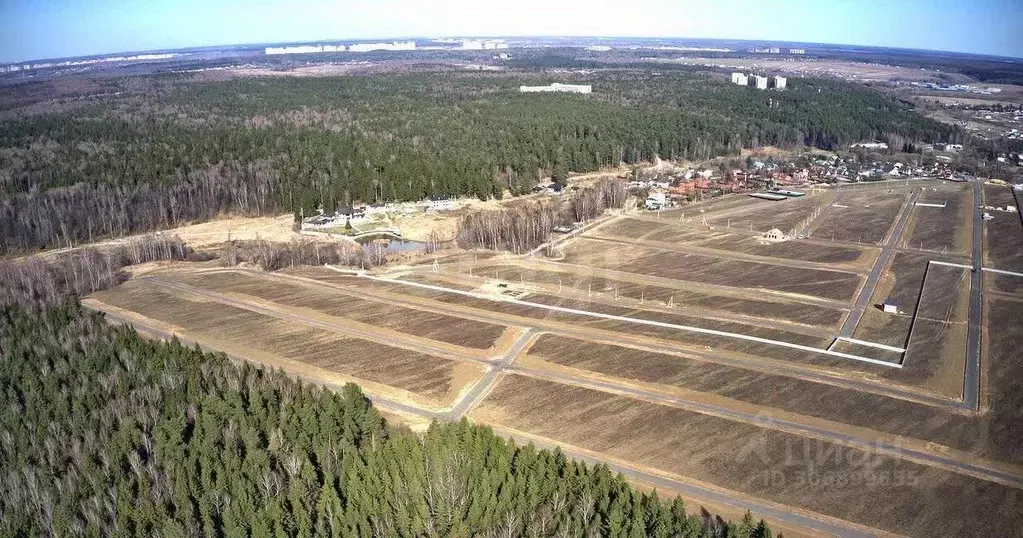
[33,29]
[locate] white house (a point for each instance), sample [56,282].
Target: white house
[656,201]
[440,203]
[558,87]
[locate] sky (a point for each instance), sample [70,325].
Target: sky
[36,29]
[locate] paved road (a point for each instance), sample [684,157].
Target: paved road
[506,364]
[863,300]
[971,381]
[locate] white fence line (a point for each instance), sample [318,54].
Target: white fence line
[870,344]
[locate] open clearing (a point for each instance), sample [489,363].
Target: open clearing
[710,270]
[943,230]
[732,240]
[548,277]
[860,215]
[636,343]
[419,377]
[1003,240]
[796,471]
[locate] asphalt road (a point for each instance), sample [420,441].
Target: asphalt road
[863,300]
[971,381]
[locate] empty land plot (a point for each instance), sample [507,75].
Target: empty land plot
[448,329]
[712,206]
[1003,342]
[710,270]
[899,285]
[807,314]
[783,214]
[862,216]
[701,340]
[935,310]
[801,396]
[537,315]
[943,229]
[868,488]
[632,228]
[427,378]
[733,240]
[1003,242]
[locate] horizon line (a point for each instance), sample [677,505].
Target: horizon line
[509,36]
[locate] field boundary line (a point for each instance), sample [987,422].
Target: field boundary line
[868,343]
[661,324]
[1001,271]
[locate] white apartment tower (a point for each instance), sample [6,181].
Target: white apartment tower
[740,78]
[779,83]
[760,82]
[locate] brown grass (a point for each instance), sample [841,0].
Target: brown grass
[742,303]
[868,217]
[428,378]
[461,332]
[1002,344]
[1003,240]
[809,398]
[711,270]
[948,229]
[872,489]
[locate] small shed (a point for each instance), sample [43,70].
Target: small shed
[890,308]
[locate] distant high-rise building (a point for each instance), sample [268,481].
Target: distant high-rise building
[779,83]
[740,78]
[797,51]
[760,82]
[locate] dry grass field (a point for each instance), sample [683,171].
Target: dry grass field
[1003,237]
[460,332]
[708,299]
[946,230]
[1002,344]
[731,240]
[419,377]
[870,488]
[680,403]
[668,373]
[783,214]
[710,270]
[860,215]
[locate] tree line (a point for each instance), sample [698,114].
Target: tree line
[173,150]
[526,226]
[105,433]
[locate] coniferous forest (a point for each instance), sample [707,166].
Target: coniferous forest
[133,154]
[105,433]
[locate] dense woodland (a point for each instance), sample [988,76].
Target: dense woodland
[149,152]
[105,433]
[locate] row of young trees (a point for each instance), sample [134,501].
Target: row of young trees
[526,226]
